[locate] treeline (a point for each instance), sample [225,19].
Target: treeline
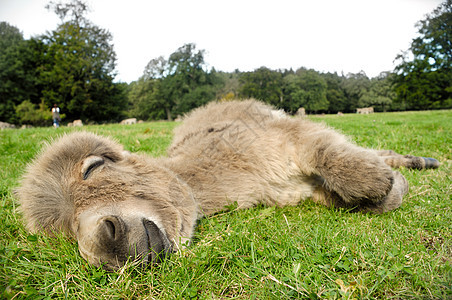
[74,67]
[174,86]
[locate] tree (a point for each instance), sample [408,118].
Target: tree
[21,63]
[229,85]
[143,99]
[80,77]
[29,114]
[335,93]
[305,88]
[355,85]
[180,83]
[380,93]
[76,9]
[12,75]
[424,72]
[187,84]
[156,68]
[262,84]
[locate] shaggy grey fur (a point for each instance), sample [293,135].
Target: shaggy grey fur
[122,206]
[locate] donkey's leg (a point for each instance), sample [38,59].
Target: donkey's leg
[396,160]
[353,173]
[392,201]
[349,176]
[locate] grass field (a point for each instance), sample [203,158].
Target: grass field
[307,251]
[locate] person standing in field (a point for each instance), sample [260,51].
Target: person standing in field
[56,116]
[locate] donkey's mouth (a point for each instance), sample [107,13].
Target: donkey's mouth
[158,244]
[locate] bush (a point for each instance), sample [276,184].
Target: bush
[29,114]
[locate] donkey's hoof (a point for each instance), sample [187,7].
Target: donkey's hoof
[431,163]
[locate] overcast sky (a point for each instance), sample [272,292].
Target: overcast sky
[325,35]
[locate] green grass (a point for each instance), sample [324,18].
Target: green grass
[307,251]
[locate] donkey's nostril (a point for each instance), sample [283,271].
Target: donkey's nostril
[110,228]
[113,227]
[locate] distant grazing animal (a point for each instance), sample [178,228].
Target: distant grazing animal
[76,123]
[4,125]
[301,112]
[365,110]
[129,121]
[122,206]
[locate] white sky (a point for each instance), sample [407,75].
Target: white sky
[325,35]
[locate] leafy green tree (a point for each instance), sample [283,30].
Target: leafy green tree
[147,94]
[187,84]
[424,72]
[198,96]
[156,68]
[305,88]
[180,83]
[144,103]
[13,77]
[28,113]
[80,77]
[229,85]
[355,85]
[75,10]
[335,93]
[21,63]
[291,89]
[380,94]
[262,84]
